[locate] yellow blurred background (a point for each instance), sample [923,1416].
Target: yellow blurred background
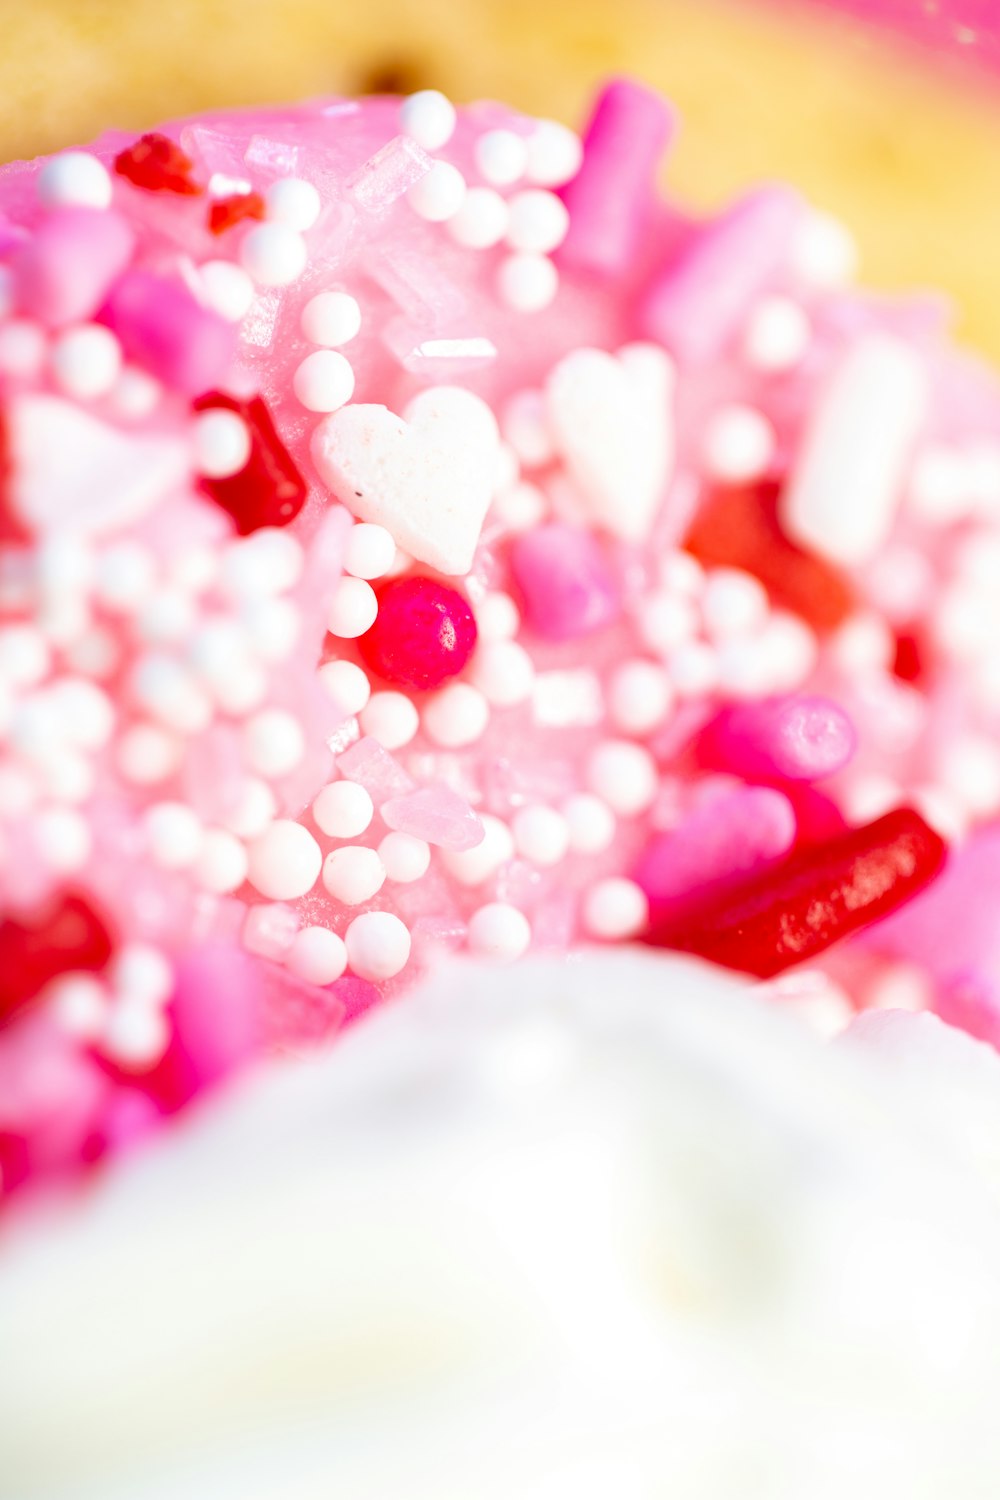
[902,150]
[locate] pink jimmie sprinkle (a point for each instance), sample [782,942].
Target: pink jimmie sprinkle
[696,301]
[165,330]
[610,198]
[796,739]
[63,273]
[437,815]
[728,836]
[567,587]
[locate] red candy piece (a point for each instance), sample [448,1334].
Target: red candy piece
[268,490]
[738,528]
[225,212]
[425,632]
[157,163]
[65,934]
[908,663]
[818,895]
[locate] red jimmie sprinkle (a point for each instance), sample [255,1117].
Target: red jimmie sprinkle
[268,490]
[64,934]
[225,212]
[158,164]
[813,899]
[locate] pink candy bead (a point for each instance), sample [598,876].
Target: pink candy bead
[567,587]
[64,272]
[696,302]
[437,815]
[796,739]
[217,1012]
[610,198]
[165,330]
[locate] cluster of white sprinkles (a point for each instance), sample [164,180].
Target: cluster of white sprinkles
[362,599]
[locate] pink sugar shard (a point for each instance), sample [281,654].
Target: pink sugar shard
[63,273]
[437,815]
[388,174]
[371,765]
[296,1013]
[269,929]
[610,199]
[798,739]
[567,587]
[321,570]
[696,301]
[164,329]
[279,158]
[730,835]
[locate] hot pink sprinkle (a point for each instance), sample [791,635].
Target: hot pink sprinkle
[63,273]
[424,633]
[165,330]
[796,739]
[437,815]
[566,585]
[217,1011]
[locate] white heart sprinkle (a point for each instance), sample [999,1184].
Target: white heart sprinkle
[426,476]
[611,416]
[74,473]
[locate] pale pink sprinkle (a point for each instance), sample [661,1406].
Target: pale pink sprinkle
[217,1011]
[388,174]
[165,330]
[611,198]
[800,739]
[731,835]
[64,272]
[322,566]
[437,815]
[567,586]
[371,766]
[696,302]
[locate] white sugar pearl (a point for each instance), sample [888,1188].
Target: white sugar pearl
[525,427]
[74,177]
[497,617]
[519,508]
[136,395]
[68,778]
[253,809]
[541,835]
[221,443]
[790,649]
[437,195]
[777,335]
[347,684]
[273,742]
[428,118]
[25,657]
[639,696]
[272,628]
[866,797]
[23,346]
[537,221]
[864,645]
[274,254]
[285,861]
[167,615]
[146,755]
[969,769]
[226,289]
[86,712]
[474,866]
[503,672]
[391,718]
[680,573]
[824,252]
[63,839]
[353,608]
[136,1035]
[481,221]
[665,621]
[499,932]
[343,810]
[624,775]
[86,361]
[294,202]
[331,319]
[324,380]
[615,908]
[555,154]
[456,716]
[693,668]
[79,1003]
[317,955]
[370,551]
[733,603]
[527,283]
[173,835]
[353,875]
[378,945]
[591,823]
[405,857]
[501,157]
[738,444]
[142,972]
[124,576]
[223,863]
[268,562]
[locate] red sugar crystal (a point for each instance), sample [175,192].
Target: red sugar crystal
[268,490]
[425,632]
[157,163]
[225,212]
[798,908]
[63,935]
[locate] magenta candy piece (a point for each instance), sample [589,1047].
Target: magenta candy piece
[796,739]
[423,634]
[64,272]
[371,765]
[697,300]
[729,836]
[437,815]
[610,198]
[165,330]
[566,585]
[217,1012]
